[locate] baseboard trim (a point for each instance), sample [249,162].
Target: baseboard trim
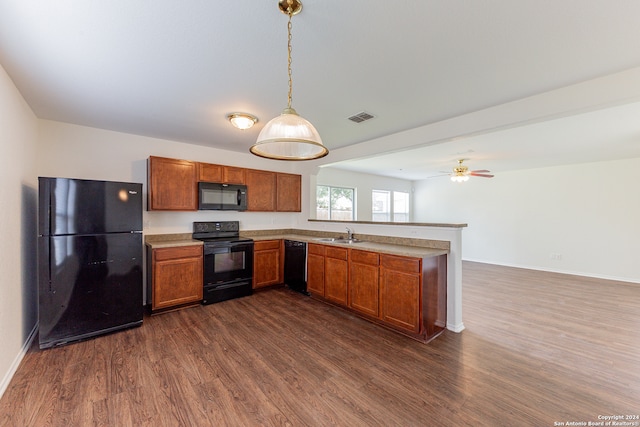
[553,270]
[455,328]
[16,362]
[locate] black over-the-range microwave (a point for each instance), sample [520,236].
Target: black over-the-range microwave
[222,197]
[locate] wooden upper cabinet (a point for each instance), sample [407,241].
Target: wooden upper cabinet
[172,184]
[288,192]
[261,190]
[234,175]
[208,172]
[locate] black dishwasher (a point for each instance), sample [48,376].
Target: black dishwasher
[295,265]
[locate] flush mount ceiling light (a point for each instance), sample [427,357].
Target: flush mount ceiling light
[289,136]
[242,120]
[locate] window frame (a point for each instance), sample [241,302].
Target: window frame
[331,208]
[391,214]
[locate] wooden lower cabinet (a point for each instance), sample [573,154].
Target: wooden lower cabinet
[267,263]
[336,275]
[175,276]
[315,269]
[363,282]
[406,294]
[401,292]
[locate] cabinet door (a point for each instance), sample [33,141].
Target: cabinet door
[172,185]
[315,269]
[336,271]
[363,282]
[233,175]
[267,263]
[288,192]
[177,276]
[261,190]
[400,292]
[209,173]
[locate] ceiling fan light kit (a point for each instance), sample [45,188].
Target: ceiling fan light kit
[289,136]
[460,178]
[461,173]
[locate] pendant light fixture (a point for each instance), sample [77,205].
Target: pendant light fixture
[289,136]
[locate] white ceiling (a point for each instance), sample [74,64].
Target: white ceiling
[173,69]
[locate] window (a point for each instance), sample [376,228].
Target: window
[400,206]
[334,203]
[387,206]
[380,205]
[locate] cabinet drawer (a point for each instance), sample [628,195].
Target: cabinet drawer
[312,248]
[164,254]
[400,263]
[364,257]
[266,244]
[339,253]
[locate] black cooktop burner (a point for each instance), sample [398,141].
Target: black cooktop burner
[212,232]
[223,239]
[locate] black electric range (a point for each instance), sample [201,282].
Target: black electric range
[228,260]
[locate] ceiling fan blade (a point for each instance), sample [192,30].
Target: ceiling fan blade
[483,175]
[481,171]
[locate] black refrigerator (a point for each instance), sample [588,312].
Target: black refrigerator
[89,258]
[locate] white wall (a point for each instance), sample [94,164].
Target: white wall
[80,152]
[364,184]
[588,214]
[18,192]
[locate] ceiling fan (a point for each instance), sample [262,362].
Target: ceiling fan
[461,173]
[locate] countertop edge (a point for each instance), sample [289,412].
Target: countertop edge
[158,241]
[386,248]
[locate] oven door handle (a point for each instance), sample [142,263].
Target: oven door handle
[223,248]
[217,250]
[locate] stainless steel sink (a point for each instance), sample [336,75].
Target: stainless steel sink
[338,240]
[348,241]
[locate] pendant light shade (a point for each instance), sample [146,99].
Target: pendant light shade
[289,136]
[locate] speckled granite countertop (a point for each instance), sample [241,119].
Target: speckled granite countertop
[156,241]
[364,244]
[420,248]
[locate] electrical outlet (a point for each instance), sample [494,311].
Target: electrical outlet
[556,256]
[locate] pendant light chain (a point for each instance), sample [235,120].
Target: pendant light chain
[289,136]
[289,57]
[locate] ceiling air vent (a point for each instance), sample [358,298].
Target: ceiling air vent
[361,117]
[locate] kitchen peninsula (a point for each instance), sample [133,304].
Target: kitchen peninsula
[400,283]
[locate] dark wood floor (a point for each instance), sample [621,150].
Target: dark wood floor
[539,348]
